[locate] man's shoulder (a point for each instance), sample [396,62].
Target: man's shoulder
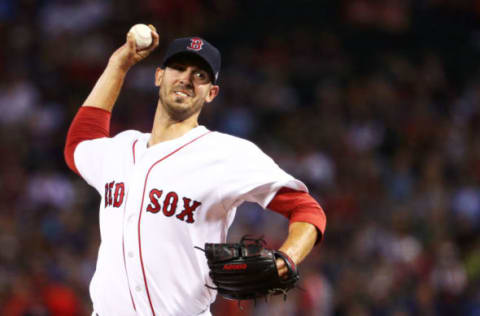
[233,142]
[237,149]
[128,135]
[117,141]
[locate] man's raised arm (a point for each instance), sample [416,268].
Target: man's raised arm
[93,119]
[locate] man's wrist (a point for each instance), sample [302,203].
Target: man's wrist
[290,253]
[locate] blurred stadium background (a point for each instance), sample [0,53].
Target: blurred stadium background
[374,104]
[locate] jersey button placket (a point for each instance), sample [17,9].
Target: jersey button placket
[131,239]
[131,249]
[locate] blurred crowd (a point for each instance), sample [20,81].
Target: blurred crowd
[375,105]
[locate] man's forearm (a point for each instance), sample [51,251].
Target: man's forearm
[107,88]
[300,241]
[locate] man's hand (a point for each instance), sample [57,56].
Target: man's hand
[281,267]
[246,270]
[105,92]
[127,55]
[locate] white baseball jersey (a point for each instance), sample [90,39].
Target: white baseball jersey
[158,203]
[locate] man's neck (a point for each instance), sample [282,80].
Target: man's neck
[164,128]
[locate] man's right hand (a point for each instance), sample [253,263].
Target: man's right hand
[127,55]
[105,92]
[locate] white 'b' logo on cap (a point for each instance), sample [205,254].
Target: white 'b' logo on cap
[195,44]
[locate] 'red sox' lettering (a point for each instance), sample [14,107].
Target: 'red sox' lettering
[154,207]
[170,203]
[114,198]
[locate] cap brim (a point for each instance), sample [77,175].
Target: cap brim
[204,64]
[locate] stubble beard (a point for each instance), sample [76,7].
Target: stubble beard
[176,110]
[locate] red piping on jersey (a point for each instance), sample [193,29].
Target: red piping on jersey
[133,149]
[140,216]
[123,239]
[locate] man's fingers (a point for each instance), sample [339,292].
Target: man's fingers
[132,46]
[130,52]
[155,37]
[153,28]
[281,267]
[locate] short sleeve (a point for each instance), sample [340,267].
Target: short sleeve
[254,177]
[89,159]
[97,157]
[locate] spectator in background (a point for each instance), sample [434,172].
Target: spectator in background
[365,99]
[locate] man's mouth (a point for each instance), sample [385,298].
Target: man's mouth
[181,93]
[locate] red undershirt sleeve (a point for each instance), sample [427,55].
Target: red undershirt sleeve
[299,206]
[89,123]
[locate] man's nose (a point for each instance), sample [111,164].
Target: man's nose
[186,77]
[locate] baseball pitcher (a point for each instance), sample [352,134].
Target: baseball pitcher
[166,192]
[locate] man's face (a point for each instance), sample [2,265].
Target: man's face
[185,85]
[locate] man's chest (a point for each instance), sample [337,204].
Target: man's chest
[181,187]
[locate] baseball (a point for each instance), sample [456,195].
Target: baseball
[143,35]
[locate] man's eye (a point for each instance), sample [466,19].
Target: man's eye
[177,66]
[201,76]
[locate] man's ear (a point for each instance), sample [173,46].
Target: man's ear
[212,93]
[159,76]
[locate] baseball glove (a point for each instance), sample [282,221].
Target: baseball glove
[247,270]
